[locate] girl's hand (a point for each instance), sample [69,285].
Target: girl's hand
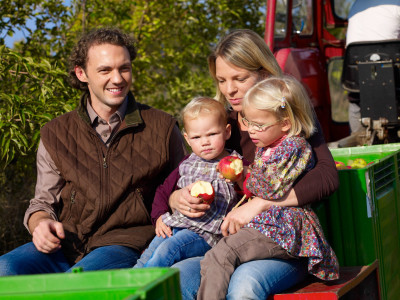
[186,204]
[162,229]
[242,215]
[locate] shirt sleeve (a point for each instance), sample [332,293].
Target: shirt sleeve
[48,186]
[276,176]
[323,178]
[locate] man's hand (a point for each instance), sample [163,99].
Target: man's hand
[46,233]
[162,229]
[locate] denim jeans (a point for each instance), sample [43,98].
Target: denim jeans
[26,259]
[181,245]
[252,280]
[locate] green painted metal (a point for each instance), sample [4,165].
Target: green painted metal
[361,220]
[146,283]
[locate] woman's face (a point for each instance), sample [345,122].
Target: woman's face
[234,82]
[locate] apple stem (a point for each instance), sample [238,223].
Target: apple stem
[240,202]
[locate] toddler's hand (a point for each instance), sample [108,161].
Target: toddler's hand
[162,229]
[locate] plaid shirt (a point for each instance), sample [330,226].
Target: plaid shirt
[207,226]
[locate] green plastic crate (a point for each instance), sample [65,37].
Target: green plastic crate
[147,283]
[361,220]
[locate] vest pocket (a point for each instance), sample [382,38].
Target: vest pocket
[139,193]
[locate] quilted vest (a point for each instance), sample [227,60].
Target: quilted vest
[108,192]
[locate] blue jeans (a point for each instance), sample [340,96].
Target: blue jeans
[26,259]
[252,280]
[181,245]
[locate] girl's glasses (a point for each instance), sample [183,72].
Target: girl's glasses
[258,127]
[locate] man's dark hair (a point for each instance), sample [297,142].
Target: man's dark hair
[79,54]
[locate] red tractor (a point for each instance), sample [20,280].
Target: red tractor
[308,40]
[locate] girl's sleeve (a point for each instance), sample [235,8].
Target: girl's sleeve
[276,177]
[323,179]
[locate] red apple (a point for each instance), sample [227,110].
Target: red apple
[340,165]
[231,167]
[204,190]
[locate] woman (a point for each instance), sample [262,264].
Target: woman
[240,60]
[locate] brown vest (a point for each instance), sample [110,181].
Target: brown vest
[108,192]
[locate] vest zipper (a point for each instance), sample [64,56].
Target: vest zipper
[104,162]
[72,201]
[73,193]
[105,189]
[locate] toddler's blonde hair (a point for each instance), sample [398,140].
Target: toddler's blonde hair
[200,105]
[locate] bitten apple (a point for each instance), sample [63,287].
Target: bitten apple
[231,167]
[204,190]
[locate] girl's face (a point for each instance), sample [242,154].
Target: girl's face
[269,129]
[234,82]
[207,135]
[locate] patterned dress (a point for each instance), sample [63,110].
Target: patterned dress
[296,229]
[207,226]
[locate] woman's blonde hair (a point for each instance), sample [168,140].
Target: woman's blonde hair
[286,98]
[200,105]
[247,50]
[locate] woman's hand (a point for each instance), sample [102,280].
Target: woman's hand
[242,215]
[186,204]
[162,229]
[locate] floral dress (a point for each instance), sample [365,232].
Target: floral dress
[296,229]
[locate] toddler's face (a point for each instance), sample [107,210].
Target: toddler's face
[206,135]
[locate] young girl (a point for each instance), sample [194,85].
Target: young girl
[205,130]
[278,116]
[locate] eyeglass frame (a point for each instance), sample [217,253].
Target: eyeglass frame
[258,127]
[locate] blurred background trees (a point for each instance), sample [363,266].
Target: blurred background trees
[174,39]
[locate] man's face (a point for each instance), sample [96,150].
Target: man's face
[109,77]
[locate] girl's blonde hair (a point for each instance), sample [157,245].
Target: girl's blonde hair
[200,105]
[286,98]
[247,50]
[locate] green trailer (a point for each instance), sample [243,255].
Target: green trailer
[361,219]
[128,284]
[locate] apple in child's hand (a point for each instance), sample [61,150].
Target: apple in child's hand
[231,167]
[204,191]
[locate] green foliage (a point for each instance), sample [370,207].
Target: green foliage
[32,93]
[174,38]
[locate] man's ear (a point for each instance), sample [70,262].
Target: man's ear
[80,73]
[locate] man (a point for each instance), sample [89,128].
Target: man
[98,168]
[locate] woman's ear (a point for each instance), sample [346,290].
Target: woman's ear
[80,74]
